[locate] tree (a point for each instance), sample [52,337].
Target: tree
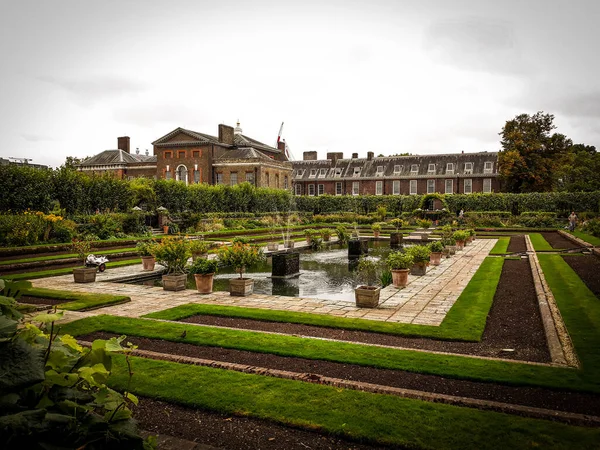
[531,156]
[581,171]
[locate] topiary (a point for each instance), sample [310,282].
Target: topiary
[436,247]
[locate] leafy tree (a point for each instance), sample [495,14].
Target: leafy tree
[531,154]
[581,171]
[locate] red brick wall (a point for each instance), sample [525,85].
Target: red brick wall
[188,156]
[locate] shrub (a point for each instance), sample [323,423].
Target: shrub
[400,260]
[385,279]
[326,233]
[424,223]
[420,253]
[172,253]
[316,243]
[240,256]
[376,227]
[200,245]
[592,227]
[145,248]
[397,223]
[342,234]
[460,235]
[436,247]
[82,247]
[204,266]
[367,271]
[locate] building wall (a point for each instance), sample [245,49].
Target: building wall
[189,156]
[261,179]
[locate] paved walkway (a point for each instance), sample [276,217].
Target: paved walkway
[426,300]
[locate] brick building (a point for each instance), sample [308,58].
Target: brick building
[461,173]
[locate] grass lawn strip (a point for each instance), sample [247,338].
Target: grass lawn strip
[501,246]
[352,414]
[464,322]
[65,271]
[539,243]
[77,301]
[587,238]
[63,256]
[580,310]
[453,366]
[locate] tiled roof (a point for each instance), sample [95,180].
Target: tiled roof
[242,153]
[200,137]
[244,141]
[109,157]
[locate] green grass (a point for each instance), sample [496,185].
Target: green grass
[539,243]
[77,301]
[65,271]
[587,238]
[62,256]
[356,415]
[501,246]
[465,321]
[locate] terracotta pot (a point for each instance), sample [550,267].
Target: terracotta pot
[241,287]
[196,255]
[84,275]
[166,229]
[272,246]
[367,296]
[446,252]
[400,277]
[174,282]
[435,258]
[326,238]
[452,249]
[204,282]
[460,245]
[376,233]
[148,263]
[419,269]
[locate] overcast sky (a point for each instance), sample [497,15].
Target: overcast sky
[350,76]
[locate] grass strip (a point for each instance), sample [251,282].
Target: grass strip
[77,301]
[587,238]
[459,367]
[501,247]
[356,415]
[63,256]
[539,243]
[65,271]
[464,322]
[579,308]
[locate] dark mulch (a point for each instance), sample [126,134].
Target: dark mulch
[557,241]
[41,301]
[588,269]
[53,265]
[517,244]
[231,432]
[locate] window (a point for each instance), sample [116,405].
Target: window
[277,180]
[397,169]
[298,189]
[487,185]
[168,155]
[196,154]
[488,167]
[250,177]
[219,178]
[430,186]
[181,173]
[449,187]
[168,175]
[181,154]
[469,167]
[355,187]
[413,187]
[233,180]
[431,168]
[322,173]
[311,189]
[450,168]
[313,173]
[414,168]
[379,188]
[300,173]
[468,186]
[396,187]
[196,176]
[285,182]
[338,172]
[379,171]
[338,188]
[356,172]
[267,177]
[320,189]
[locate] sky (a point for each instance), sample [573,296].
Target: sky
[424,77]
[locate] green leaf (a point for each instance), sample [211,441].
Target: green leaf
[8,327]
[132,398]
[71,342]
[21,365]
[60,379]
[122,414]
[44,403]
[114,344]
[95,375]
[47,318]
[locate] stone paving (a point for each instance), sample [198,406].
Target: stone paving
[426,300]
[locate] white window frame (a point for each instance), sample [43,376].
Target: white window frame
[431,168]
[322,173]
[250,177]
[313,173]
[185,173]
[219,178]
[414,168]
[413,183]
[338,172]
[487,189]
[232,176]
[355,187]
[491,167]
[356,172]
[432,190]
[468,167]
[451,190]
[311,190]
[339,188]
[379,188]
[300,173]
[285,182]
[380,170]
[397,168]
[450,168]
[320,189]
[196,176]
[470,183]
[396,187]
[298,189]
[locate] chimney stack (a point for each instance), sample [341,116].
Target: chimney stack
[225,134]
[310,156]
[123,143]
[370,156]
[354,155]
[335,156]
[281,145]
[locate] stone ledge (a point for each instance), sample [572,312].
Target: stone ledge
[575,239]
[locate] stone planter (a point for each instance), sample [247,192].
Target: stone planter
[272,246]
[241,287]
[451,249]
[148,263]
[196,255]
[435,258]
[367,296]
[174,282]
[84,275]
[204,282]
[419,269]
[400,277]
[460,245]
[395,239]
[446,252]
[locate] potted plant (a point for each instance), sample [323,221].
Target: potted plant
[424,223]
[308,234]
[326,234]
[145,249]
[420,254]
[204,270]
[396,236]
[376,227]
[471,234]
[173,253]
[436,248]
[199,248]
[460,236]
[272,245]
[400,263]
[240,256]
[83,274]
[342,234]
[367,296]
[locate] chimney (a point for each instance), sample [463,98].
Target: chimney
[123,143]
[370,156]
[281,146]
[310,156]
[335,156]
[354,155]
[225,134]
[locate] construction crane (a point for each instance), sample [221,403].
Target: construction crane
[20,160]
[287,150]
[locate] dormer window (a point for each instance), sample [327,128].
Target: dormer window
[300,173]
[322,173]
[489,167]
[397,169]
[356,172]
[449,168]
[313,173]
[431,168]
[338,172]
[469,167]
[379,171]
[414,168]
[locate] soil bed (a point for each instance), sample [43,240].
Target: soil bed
[588,269]
[53,265]
[517,244]
[229,431]
[41,301]
[559,242]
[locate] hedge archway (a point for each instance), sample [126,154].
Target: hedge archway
[426,198]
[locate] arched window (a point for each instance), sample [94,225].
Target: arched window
[182,173]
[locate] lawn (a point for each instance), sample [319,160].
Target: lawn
[65,270]
[77,301]
[595,241]
[539,243]
[501,247]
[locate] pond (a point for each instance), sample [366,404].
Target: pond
[324,274]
